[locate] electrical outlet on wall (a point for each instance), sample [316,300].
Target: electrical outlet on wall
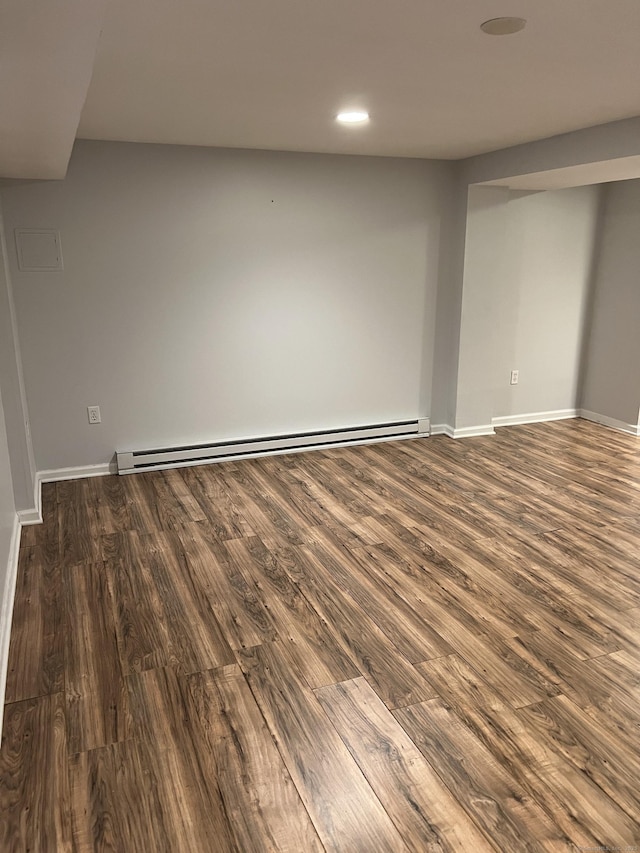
[93,413]
[514,377]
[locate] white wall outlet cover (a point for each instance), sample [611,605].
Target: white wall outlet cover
[93,413]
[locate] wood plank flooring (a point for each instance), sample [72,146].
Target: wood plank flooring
[427,645]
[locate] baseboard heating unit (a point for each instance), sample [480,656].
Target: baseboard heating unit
[201,454]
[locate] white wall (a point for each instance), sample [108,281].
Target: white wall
[549,246]
[212,294]
[612,370]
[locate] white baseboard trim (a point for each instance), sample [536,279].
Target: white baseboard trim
[79,473]
[534,417]
[6,610]
[605,420]
[462,432]
[29,516]
[441,429]
[471,432]
[33,515]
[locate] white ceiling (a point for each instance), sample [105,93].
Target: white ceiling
[273,73]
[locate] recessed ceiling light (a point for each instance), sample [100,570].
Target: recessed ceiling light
[503,26]
[353,117]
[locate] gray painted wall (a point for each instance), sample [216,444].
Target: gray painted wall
[449,307]
[210,294]
[540,318]
[526,279]
[12,387]
[592,146]
[483,284]
[612,367]
[7,522]
[216,294]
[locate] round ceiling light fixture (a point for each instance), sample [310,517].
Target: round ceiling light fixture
[353,117]
[503,26]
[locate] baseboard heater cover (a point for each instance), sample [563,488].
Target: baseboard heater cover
[201,454]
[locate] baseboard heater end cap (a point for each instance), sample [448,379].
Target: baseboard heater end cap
[125,462]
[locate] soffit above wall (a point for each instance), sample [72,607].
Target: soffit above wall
[47,51]
[621,169]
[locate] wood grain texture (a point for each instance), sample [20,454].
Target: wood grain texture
[97,697]
[260,800]
[583,812]
[508,816]
[163,614]
[582,742]
[196,638]
[319,658]
[242,616]
[36,653]
[116,803]
[411,635]
[47,534]
[78,538]
[142,631]
[424,811]
[396,680]
[427,645]
[173,747]
[223,514]
[106,506]
[34,782]
[345,811]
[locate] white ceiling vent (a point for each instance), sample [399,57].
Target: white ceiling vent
[38,250]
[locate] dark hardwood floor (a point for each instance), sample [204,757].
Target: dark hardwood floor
[427,645]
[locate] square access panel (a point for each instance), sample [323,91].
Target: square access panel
[38,250]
